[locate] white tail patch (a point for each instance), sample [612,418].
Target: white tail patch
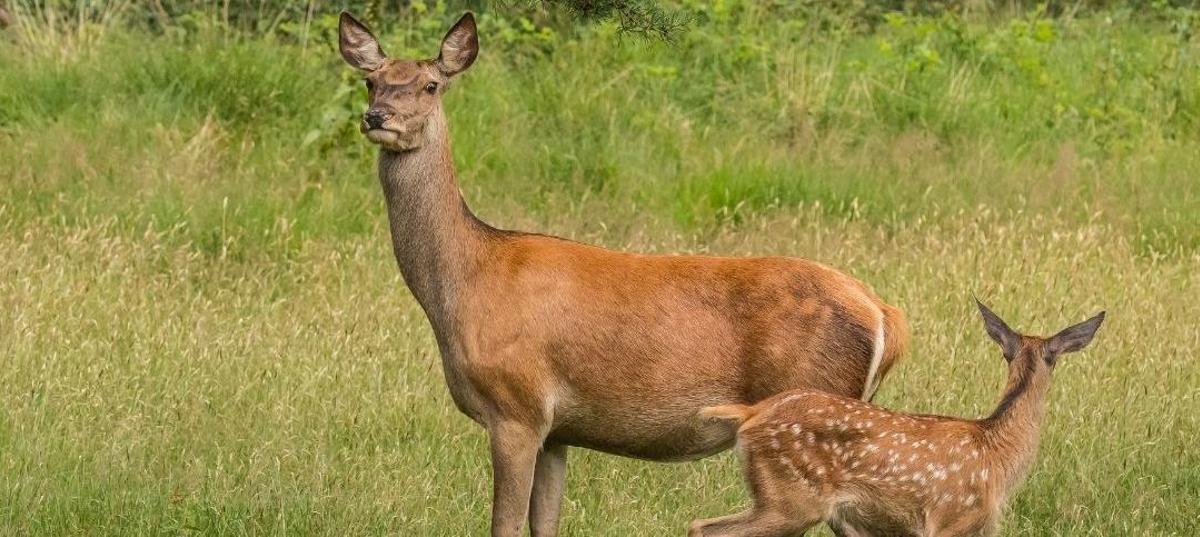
[872,383]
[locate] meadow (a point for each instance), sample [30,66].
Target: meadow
[203,331]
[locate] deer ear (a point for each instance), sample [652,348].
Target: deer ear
[359,48]
[1008,340]
[1074,338]
[459,47]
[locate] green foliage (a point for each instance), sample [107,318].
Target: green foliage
[758,107]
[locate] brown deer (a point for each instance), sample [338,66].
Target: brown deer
[549,343]
[810,456]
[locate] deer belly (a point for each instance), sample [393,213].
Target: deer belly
[644,433]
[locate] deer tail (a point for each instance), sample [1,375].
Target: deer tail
[891,342]
[895,329]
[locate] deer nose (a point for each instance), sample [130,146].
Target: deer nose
[375,118]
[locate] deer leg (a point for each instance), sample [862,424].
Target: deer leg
[842,529]
[963,525]
[702,527]
[752,523]
[549,482]
[973,530]
[514,456]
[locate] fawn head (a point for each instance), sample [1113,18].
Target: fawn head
[1032,350]
[402,94]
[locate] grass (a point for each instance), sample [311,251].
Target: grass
[203,331]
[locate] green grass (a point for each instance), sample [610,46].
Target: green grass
[202,329]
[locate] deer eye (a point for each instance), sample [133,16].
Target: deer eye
[431,87]
[370,85]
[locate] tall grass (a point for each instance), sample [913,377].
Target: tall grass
[153,390]
[201,329]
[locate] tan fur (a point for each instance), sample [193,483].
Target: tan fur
[812,457]
[548,343]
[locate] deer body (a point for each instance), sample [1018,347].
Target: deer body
[549,343]
[810,456]
[577,338]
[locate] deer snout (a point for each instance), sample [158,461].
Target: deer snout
[375,118]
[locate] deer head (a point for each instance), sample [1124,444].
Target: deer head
[403,94]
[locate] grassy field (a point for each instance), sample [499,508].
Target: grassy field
[202,330]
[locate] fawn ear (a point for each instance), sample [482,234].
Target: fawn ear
[1074,338]
[359,48]
[1008,340]
[459,47]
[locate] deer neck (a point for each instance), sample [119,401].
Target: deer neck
[1013,431]
[435,237]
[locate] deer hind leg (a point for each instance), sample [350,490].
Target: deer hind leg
[514,455]
[702,527]
[779,510]
[843,529]
[549,482]
[964,526]
[752,523]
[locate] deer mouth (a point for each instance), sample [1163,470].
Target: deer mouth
[393,140]
[382,136]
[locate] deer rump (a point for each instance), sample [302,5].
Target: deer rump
[619,351]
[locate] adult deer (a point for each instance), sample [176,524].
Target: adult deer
[549,343]
[812,456]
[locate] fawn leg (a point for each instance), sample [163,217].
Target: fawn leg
[842,529]
[549,482]
[514,454]
[752,523]
[698,526]
[971,524]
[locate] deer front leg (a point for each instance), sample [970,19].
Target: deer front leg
[514,449]
[549,482]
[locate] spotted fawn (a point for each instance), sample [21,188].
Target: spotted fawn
[812,457]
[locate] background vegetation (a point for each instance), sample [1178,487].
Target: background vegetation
[202,330]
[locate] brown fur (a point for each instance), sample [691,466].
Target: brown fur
[548,343]
[811,456]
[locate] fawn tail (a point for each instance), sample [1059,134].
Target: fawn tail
[738,414]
